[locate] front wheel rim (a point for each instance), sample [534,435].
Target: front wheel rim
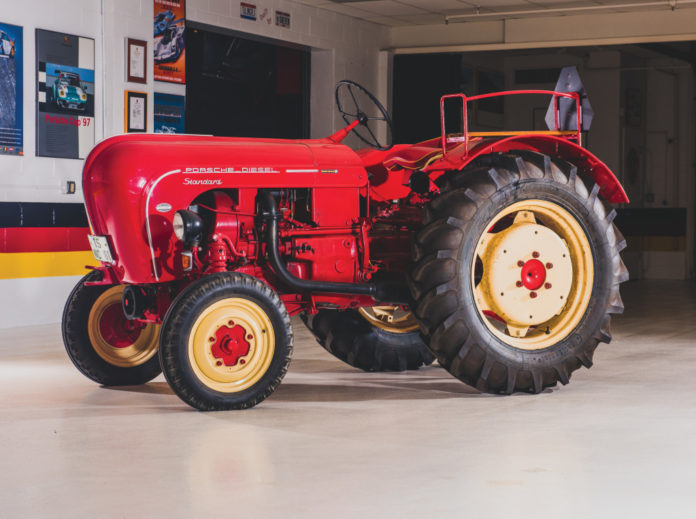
[231,345]
[116,339]
[532,274]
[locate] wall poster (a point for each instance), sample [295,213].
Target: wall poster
[169,113]
[169,48]
[11,121]
[65,100]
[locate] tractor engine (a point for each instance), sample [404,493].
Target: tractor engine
[320,236]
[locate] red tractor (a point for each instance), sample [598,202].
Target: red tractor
[491,252]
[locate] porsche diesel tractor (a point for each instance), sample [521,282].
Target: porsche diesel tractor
[493,253]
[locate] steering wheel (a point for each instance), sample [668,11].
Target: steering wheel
[354,91]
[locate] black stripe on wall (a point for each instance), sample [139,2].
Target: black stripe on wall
[40,214]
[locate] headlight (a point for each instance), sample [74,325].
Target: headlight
[62,93]
[188,227]
[83,97]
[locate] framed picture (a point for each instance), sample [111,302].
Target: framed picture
[169,113]
[136,111]
[168,45]
[11,89]
[136,61]
[66,88]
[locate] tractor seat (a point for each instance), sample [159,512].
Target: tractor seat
[413,157]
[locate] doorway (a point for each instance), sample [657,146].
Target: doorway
[242,86]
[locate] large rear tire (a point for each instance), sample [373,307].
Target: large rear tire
[516,272]
[226,342]
[104,345]
[371,339]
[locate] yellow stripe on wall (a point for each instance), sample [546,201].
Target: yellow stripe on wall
[44,264]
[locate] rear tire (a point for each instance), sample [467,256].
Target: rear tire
[102,344]
[462,283]
[352,338]
[226,342]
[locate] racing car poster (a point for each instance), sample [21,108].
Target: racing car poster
[65,95]
[11,121]
[169,113]
[168,47]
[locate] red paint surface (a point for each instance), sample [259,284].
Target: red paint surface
[118,331]
[343,229]
[533,274]
[43,239]
[230,344]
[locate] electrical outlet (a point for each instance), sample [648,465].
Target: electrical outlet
[69,187]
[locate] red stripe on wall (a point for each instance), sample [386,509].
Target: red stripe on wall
[43,239]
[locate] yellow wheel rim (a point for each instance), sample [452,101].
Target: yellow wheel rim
[533,273]
[393,319]
[231,345]
[115,339]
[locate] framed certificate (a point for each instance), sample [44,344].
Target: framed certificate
[136,61]
[136,111]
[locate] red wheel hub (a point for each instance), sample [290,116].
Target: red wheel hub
[230,345]
[533,274]
[116,330]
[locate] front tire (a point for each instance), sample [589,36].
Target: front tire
[101,342]
[226,342]
[510,257]
[368,339]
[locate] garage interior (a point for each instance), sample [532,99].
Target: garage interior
[618,441]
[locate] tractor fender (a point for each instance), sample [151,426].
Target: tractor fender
[588,165]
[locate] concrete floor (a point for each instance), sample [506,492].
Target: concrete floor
[333,442]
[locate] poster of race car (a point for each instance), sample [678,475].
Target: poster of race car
[11,121]
[169,48]
[169,113]
[65,95]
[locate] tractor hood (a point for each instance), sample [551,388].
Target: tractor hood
[133,185]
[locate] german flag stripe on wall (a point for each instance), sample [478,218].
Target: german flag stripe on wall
[43,239]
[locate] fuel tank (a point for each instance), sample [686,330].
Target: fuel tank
[133,185]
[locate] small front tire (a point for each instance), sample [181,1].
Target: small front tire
[226,342]
[104,345]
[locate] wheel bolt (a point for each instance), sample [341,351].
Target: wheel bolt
[519,284]
[547,285]
[532,295]
[549,265]
[520,263]
[242,361]
[219,363]
[212,339]
[535,254]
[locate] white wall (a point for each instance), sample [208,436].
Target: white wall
[342,47]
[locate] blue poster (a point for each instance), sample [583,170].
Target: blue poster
[11,88]
[169,113]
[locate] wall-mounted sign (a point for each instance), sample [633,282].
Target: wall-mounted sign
[169,113]
[65,100]
[169,45]
[247,11]
[11,60]
[282,19]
